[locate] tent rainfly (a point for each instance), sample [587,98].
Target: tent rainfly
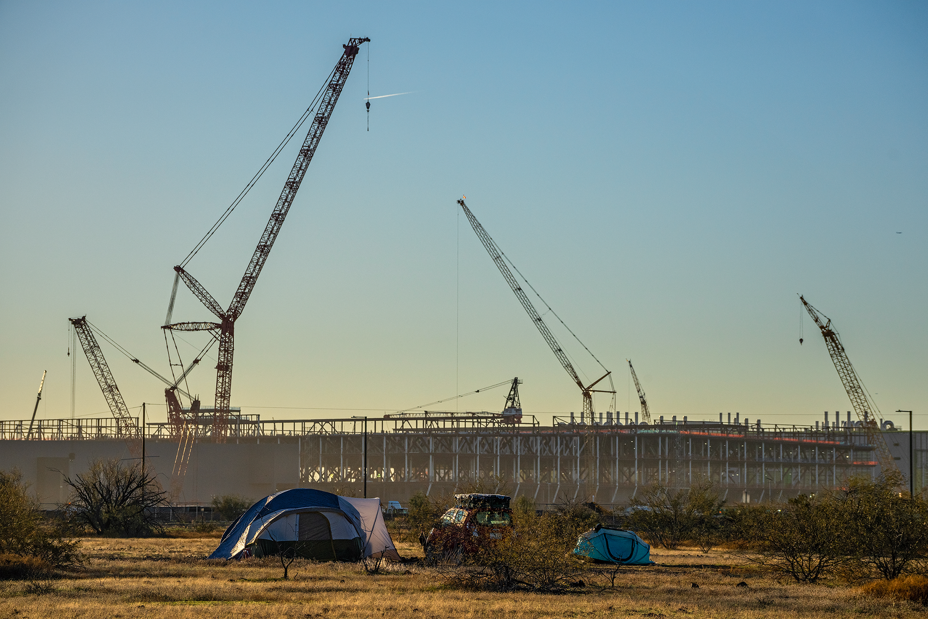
[314,524]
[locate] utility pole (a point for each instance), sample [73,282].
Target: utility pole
[364,452]
[143,440]
[911,456]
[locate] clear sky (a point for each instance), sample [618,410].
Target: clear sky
[668,175]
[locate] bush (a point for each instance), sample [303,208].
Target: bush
[523,507]
[113,498]
[670,517]
[26,537]
[231,506]
[421,516]
[535,555]
[16,567]
[889,532]
[911,588]
[805,539]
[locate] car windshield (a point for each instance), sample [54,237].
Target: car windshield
[493,518]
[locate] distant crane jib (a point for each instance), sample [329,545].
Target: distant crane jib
[864,406]
[126,425]
[496,255]
[36,408]
[645,411]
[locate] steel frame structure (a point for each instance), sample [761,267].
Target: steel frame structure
[607,462]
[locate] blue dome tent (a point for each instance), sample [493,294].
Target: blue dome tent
[313,524]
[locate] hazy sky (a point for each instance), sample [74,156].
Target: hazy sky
[668,175]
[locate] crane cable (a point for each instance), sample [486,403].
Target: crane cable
[259,173]
[550,309]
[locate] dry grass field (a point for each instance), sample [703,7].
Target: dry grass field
[169,578]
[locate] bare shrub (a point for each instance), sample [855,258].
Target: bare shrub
[113,498]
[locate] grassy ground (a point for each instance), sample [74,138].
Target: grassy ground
[170,578]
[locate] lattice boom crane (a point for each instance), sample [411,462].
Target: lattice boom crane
[497,255]
[863,405]
[228,316]
[645,411]
[126,426]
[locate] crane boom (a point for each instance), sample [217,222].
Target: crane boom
[497,255]
[37,400]
[126,426]
[863,405]
[645,411]
[337,81]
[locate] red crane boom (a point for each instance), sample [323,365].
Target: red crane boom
[228,316]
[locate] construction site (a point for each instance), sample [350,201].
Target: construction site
[200,452]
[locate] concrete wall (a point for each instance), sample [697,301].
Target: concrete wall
[253,468]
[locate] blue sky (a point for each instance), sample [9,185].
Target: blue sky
[668,175]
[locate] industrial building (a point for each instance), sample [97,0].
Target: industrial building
[437,452]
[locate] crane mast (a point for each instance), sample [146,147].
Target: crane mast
[126,426]
[497,255]
[645,411]
[866,409]
[228,316]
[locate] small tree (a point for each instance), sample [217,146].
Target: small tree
[24,532]
[113,498]
[670,517]
[805,539]
[422,515]
[889,531]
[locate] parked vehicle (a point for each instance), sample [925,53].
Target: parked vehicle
[394,508]
[475,521]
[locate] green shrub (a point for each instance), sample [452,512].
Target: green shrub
[25,532]
[231,506]
[804,539]
[523,508]
[888,529]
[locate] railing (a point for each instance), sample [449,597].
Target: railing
[251,426]
[63,429]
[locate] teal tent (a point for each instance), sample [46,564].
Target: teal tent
[611,545]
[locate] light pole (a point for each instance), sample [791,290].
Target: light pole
[911,456]
[364,458]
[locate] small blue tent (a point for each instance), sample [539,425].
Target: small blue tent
[610,545]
